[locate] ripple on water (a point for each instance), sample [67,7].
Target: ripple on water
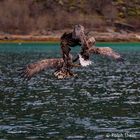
[103,100]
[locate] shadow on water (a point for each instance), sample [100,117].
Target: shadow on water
[102,103]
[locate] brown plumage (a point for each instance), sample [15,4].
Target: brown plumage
[56,63]
[64,65]
[72,39]
[34,68]
[105,51]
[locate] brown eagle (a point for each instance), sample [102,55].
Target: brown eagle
[64,65]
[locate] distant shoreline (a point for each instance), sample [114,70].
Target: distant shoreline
[55,37]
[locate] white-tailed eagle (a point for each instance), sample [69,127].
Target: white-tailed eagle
[64,65]
[56,63]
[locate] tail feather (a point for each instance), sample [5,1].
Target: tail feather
[84,62]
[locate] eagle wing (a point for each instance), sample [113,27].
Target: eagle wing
[30,70]
[105,51]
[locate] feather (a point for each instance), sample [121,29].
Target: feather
[34,68]
[105,51]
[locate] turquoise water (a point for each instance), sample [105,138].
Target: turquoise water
[102,103]
[42,47]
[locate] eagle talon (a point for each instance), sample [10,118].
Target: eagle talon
[61,74]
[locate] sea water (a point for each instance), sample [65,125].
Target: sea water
[103,102]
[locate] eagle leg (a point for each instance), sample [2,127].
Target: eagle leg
[62,74]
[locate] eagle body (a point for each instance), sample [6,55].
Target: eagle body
[68,40]
[64,65]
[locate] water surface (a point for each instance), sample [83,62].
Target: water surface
[102,103]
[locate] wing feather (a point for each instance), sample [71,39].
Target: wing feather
[105,51]
[34,68]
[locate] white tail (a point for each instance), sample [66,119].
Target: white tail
[83,62]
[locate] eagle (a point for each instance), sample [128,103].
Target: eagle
[63,66]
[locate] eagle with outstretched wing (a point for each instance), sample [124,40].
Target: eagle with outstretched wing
[64,65]
[56,63]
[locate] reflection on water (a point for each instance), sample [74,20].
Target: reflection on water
[102,103]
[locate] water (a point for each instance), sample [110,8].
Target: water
[102,103]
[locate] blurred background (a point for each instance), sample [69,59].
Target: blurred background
[44,16]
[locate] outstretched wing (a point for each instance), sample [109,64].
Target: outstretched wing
[106,51]
[34,68]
